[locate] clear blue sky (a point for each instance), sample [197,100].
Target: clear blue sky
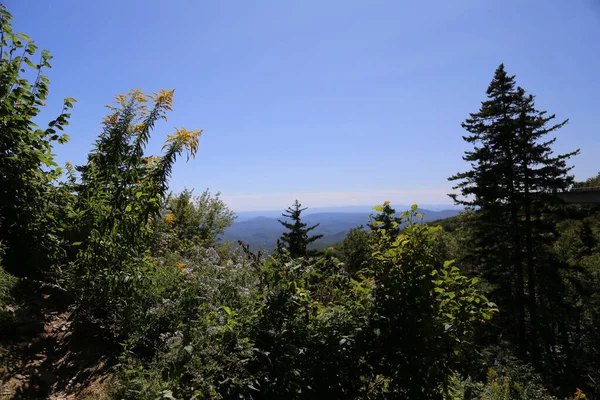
[333,102]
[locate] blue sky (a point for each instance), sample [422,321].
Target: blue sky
[331,102]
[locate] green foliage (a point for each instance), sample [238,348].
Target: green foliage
[511,184]
[386,219]
[591,182]
[304,327]
[506,379]
[192,221]
[425,312]
[27,165]
[504,385]
[297,239]
[307,329]
[355,250]
[119,193]
[199,343]
[574,288]
[7,283]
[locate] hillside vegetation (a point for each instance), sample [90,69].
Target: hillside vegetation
[113,287]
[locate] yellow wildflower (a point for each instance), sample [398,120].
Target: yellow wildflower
[163,100]
[111,119]
[187,138]
[180,265]
[170,219]
[138,95]
[137,128]
[150,160]
[120,99]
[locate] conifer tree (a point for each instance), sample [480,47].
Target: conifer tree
[297,239]
[511,184]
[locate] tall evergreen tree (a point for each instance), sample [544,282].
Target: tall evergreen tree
[511,185]
[297,239]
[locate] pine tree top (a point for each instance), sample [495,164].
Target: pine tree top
[296,239]
[510,154]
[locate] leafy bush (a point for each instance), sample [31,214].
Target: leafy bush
[191,221]
[295,328]
[194,330]
[27,165]
[425,313]
[507,384]
[7,282]
[355,249]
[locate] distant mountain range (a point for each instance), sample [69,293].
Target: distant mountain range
[365,209]
[260,229]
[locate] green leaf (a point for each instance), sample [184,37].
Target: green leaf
[128,208]
[378,208]
[28,62]
[227,310]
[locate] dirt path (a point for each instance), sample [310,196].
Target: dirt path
[43,357]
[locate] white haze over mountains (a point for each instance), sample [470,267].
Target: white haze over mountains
[425,198]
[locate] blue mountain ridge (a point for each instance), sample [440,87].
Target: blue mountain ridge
[262,231]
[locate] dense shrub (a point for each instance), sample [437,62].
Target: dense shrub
[305,327]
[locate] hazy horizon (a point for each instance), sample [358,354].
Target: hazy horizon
[276,201]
